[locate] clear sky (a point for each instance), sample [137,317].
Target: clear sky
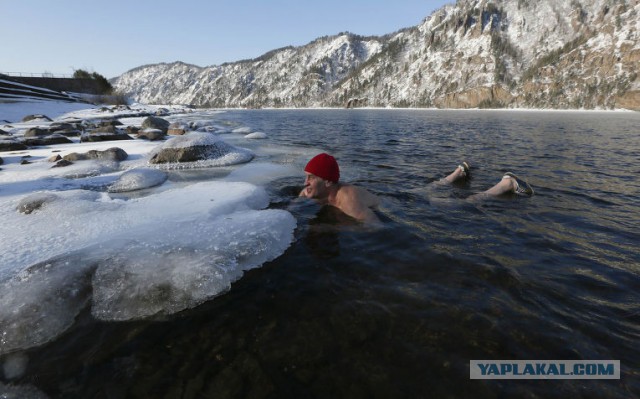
[111,37]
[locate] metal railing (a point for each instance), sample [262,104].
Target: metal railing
[36,75]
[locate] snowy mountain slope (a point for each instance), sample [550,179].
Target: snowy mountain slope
[476,53]
[290,76]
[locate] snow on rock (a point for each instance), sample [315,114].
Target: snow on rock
[204,148]
[85,169]
[138,179]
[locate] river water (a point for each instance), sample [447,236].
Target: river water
[399,311]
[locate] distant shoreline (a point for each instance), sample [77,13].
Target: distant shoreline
[14,111]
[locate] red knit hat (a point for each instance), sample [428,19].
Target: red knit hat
[324,166]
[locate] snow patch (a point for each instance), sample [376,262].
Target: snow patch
[138,179]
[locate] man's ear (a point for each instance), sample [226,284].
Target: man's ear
[328,183]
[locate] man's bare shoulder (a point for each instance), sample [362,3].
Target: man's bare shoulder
[358,195]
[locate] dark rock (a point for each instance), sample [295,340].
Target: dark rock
[151,134]
[153,122]
[36,116]
[69,133]
[105,129]
[112,154]
[194,147]
[25,162]
[177,129]
[36,132]
[12,145]
[57,126]
[47,140]
[187,154]
[96,137]
[1,161]
[54,158]
[112,122]
[62,163]
[132,130]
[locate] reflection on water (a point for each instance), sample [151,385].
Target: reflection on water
[349,311]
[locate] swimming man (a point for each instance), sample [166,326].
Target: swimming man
[322,183]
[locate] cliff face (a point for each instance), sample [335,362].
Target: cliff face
[476,53]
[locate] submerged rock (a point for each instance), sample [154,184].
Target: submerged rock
[15,365]
[21,392]
[42,301]
[34,202]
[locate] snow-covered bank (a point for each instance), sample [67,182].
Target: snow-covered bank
[11,112]
[119,236]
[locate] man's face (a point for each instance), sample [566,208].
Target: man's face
[314,187]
